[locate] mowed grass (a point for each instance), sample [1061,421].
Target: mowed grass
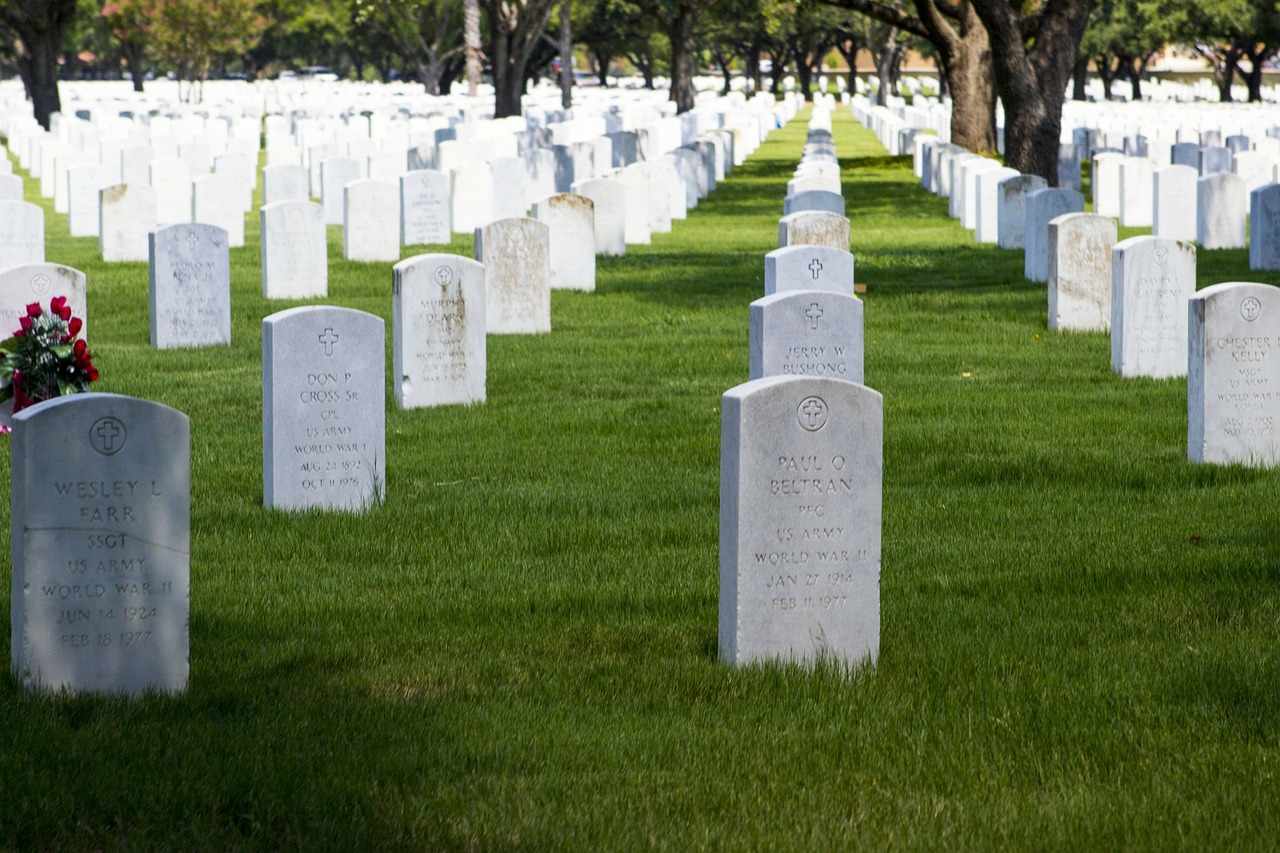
[518,649]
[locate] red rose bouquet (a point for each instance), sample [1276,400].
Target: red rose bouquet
[46,357]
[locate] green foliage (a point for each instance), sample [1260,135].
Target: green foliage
[517,650]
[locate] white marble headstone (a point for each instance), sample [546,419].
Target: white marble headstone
[323,408]
[516,258]
[424,208]
[808,267]
[190,286]
[438,331]
[806,333]
[801,463]
[1233,375]
[371,221]
[1080,272]
[21,233]
[126,213]
[295,260]
[814,228]
[570,220]
[1151,280]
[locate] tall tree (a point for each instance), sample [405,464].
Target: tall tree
[189,35]
[1033,55]
[960,38]
[425,34]
[1225,32]
[38,26]
[516,29]
[678,20]
[130,22]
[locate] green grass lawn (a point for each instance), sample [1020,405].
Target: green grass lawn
[517,650]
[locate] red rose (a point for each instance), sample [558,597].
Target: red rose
[33,310]
[20,400]
[93,373]
[26,324]
[64,313]
[74,325]
[80,348]
[57,304]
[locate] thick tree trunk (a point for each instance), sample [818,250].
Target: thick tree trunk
[776,73]
[753,68]
[884,66]
[1080,79]
[602,69]
[1033,85]
[971,83]
[680,34]
[38,65]
[804,73]
[133,54]
[1136,69]
[507,81]
[722,59]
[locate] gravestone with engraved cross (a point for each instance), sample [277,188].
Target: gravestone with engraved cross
[808,267]
[800,520]
[1233,380]
[806,333]
[100,541]
[323,408]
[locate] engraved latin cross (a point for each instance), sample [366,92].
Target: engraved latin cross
[815,266]
[813,410]
[327,340]
[107,432]
[814,314]
[192,239]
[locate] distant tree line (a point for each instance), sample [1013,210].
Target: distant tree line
[1026,53]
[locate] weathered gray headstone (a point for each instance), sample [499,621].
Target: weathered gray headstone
[1233,377]
[295,260]
[806,333]
[808,267]
[517,274]
[438,331]
[571,222]
[100,541]
[190,286]
[323,408]
[1151,280]
[801,463]
[1080,272]
[814,228]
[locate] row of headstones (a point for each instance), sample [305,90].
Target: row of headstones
[1142,291]
[1014,210]
[85,622]
[477,181]
[801,462]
